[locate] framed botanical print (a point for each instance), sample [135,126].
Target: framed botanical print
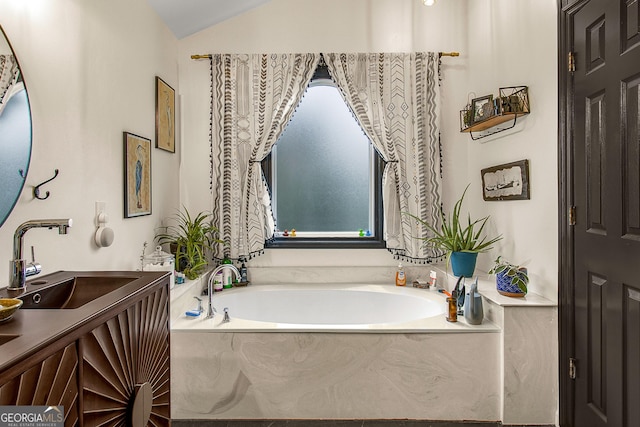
[165,116]
[137,175]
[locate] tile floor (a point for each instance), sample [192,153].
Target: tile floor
[334,423]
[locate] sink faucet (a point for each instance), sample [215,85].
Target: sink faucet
[210,310]
[19,270]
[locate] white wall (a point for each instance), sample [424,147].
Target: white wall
[515,43]
[501,42]
[90,69]
[309,26]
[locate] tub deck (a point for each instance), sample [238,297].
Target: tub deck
[433,324]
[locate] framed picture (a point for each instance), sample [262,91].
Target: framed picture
[506,182]
[482,108]
[137,175]
[165,116]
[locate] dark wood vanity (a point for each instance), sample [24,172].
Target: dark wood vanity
[96,343]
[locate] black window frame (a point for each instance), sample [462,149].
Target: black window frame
[375,241]
[366,242]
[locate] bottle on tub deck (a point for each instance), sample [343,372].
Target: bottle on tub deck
[433,280]
[217,282]
[227,275]
[243,273]
[401,278]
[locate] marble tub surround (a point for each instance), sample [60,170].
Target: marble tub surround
[529,339]
[334,376]
[382,274]
[235,372]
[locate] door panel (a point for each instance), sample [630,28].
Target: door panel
[632,355]
[603,182]
[595,151]
[631,156]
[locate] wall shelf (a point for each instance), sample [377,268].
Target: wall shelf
[487,115]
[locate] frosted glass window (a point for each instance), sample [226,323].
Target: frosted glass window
[323,163]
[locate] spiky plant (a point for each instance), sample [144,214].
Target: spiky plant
[453,237]
[192,237]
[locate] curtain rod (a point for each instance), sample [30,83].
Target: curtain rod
[439,53]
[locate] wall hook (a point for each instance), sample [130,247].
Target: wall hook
[36,189]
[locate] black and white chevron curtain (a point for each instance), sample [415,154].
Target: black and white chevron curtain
[394,96]
[9,73]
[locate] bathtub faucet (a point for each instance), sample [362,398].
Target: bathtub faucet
[210,310]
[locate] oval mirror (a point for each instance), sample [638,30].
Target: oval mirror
[15,129]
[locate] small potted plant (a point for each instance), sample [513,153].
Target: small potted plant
[511,279]
[189,238]
[462,243]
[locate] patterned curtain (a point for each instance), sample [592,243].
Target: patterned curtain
[395,97]
[9,73]
[252,100]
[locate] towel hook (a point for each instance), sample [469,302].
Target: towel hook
[36,189]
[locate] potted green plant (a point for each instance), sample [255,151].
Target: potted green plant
[511,279]
[189,238]
[461,242]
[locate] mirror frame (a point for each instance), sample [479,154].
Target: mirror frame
[28,163]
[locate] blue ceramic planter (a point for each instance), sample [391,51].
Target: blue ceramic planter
[463,263]
[505,287]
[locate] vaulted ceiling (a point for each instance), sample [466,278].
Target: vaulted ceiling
[186,17]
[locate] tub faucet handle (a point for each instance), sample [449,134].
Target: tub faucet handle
[200,309]
[226,318]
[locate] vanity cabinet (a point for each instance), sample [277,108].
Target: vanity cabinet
[52,381]
[125,366]
[108,366]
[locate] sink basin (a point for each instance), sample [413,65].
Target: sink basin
[6,338]
[72,293]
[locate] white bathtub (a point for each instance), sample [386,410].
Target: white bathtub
[323,308]
[329,305]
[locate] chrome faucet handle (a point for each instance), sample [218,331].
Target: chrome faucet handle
[226,318]
[200,309]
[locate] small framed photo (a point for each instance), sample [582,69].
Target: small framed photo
[482,108]
[506,182]
[165,116]
[137,175]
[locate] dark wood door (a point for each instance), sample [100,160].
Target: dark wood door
[603,184]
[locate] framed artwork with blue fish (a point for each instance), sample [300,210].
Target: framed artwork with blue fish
[137,175]
[506,182]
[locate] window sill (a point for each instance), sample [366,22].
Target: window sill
[333,243]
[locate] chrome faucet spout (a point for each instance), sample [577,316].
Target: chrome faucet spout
[18,267]
[210,309]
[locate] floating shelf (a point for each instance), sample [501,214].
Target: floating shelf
[502,114]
